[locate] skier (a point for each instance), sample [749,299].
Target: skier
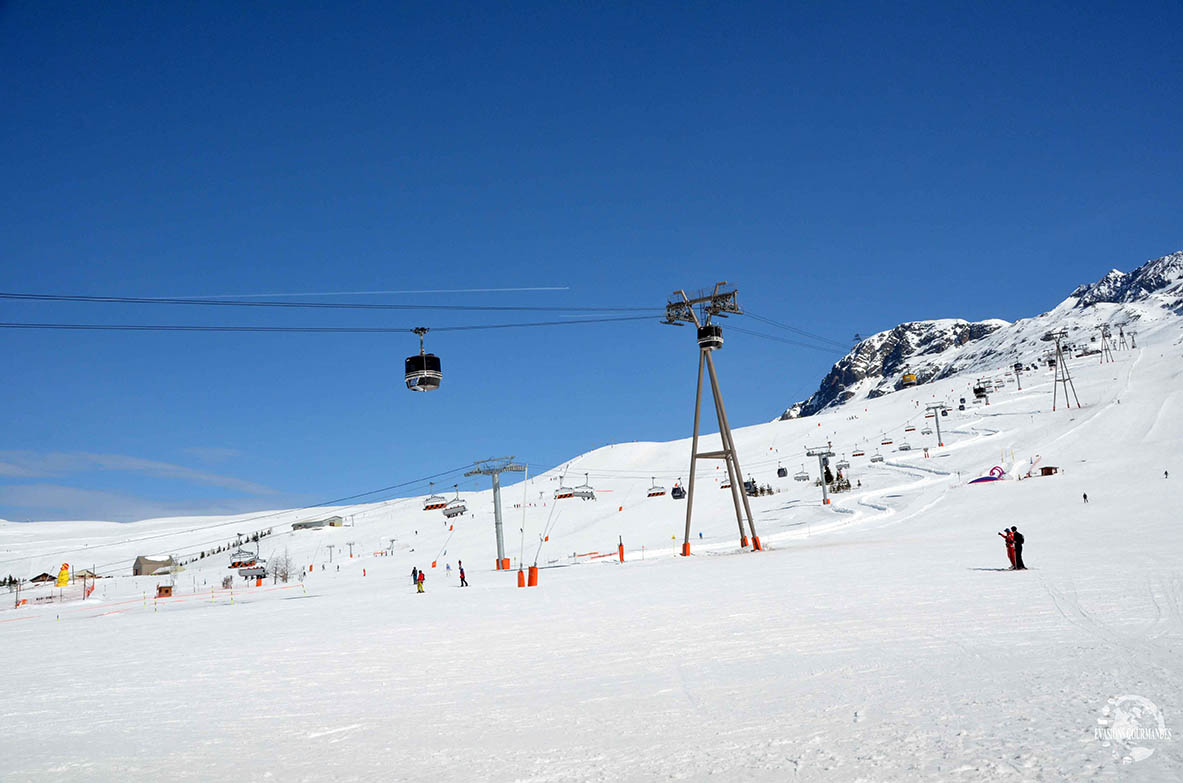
[1164,474]
[448,568]
[1086,497]
[1018,549]
[1009,537]
[463,581]
[414,575]
[419,582]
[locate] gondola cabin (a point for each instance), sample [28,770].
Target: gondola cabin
[710,337]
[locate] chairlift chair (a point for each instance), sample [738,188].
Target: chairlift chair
[909,428]
[926,431]
[803,475]
[859,453]
[563,492]
[876,457]
[655,491]
[243,558]
[584,491]
[904,446]
[433,500]
[843,464]
[456,506]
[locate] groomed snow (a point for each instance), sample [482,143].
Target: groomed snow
[876,639]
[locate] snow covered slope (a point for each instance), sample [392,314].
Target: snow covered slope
[933,350]
[878,638]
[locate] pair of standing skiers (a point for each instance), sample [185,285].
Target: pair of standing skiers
[1014,547]
[417,577]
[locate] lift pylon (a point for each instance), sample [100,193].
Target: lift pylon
[679,309]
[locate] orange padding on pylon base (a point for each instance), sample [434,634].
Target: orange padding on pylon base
[686,549]
[505,564]
[521,578]
[620,550]
[756,544]
[533,576]
[826,501]
[743,541]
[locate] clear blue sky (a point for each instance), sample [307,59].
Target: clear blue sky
[847,165]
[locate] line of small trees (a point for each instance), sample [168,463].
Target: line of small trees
[254,538]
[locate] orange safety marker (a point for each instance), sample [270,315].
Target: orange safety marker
[686,549]
[620,550]
[521,578]
[363,572]
[743,541]
[756,544]
[505,564]
[533,582]
[433,562]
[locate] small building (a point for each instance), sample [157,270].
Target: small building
[84,573]
[42,578]
[1048,470]
[312,524]
[147,566]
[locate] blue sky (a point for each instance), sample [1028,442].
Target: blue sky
[847,166]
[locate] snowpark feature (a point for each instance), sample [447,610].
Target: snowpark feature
[878,638]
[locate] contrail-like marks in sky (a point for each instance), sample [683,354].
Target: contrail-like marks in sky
[381,293]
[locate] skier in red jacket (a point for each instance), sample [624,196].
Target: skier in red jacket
[419,581]
[1009,537]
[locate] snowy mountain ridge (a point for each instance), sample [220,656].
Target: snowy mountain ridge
[937,349]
